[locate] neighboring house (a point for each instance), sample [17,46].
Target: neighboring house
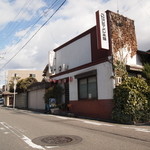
[8,98]
[84,65]
[46,74]
[141,58]
[22,74]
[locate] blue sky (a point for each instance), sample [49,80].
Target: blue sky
[75,17]
[19,22]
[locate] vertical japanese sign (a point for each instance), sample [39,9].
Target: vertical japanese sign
[51,61]
[102,31]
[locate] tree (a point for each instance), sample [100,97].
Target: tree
[146,72]
[23,84]
[132,101]
[11,83]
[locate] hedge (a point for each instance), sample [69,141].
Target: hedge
[132,101]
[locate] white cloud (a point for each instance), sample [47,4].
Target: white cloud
[7,11]
[74,18]
[10,11]
[22,33]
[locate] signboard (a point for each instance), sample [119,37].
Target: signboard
[51,61]
[102,31]
[52,102]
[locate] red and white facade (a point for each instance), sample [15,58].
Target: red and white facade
[83,66]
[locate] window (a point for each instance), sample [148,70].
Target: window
[15,75]
[87,87]
[32,75]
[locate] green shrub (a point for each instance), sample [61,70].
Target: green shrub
[146,72]
[132,101]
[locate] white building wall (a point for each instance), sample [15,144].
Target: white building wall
[135,60]
[104,81]
[73,89]
[125,56]
[74,54]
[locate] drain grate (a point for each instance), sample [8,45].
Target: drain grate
[57,140]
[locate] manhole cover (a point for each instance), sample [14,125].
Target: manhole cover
[58,140]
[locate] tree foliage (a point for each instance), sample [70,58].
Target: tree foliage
[132,101]
[146,72]
[22,84]
[11,83]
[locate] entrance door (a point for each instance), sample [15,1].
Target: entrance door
[11,100]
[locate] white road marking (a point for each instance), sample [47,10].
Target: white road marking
[138,129]
[2,128]
[88,122]
[21,136]
[51,147]
[6,132]
[61,117]
[30,143]
[104,124]
[98,124]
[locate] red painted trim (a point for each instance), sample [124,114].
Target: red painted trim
[96,53]
[75,39]
[81,67]
[98,31]
[109,32]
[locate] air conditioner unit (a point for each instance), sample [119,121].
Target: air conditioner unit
[60,68]
[118,80]
[65,67]
[52,69]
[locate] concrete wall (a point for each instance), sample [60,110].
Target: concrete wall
[21,100]
[36,100]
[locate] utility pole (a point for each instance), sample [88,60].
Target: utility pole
[15,83]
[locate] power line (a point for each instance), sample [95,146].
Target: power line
[21,11]
[44,13]
[34,34]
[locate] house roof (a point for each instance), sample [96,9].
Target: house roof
[45,70]
[148,51]
[7,93]
[39,85]
[143,52]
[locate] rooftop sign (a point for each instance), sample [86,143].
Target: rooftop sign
[102,31]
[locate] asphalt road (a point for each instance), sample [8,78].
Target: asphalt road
[19,128]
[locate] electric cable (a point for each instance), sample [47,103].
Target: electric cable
[33,35]
[13,27]
[49,8]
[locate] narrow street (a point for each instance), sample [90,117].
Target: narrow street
[27,130]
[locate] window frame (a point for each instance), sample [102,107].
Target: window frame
[32,75]
[87,87]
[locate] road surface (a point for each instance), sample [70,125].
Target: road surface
[27,130]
